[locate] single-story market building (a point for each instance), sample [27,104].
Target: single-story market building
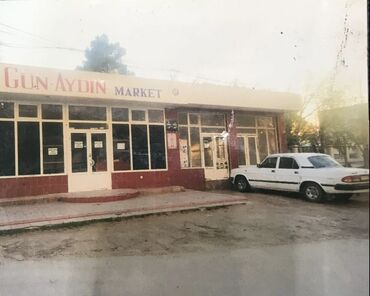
[70,131]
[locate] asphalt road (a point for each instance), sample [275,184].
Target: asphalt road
[274,245]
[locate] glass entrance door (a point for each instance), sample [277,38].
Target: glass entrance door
[214,158]
[89,165]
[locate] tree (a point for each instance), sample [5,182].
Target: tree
[103,56]
[346,127]
[301,132]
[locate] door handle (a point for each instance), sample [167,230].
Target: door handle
[272,171]
[295,172]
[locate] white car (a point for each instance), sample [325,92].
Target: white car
[312,174]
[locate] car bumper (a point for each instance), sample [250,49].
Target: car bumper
[352,187]
[231,180]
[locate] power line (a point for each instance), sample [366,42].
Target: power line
[27,33]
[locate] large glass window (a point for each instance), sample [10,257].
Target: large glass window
[262,144]
[157,147]
[139,146]
[7,151]
[121,147]
[28,148]
[140,159]
[241,151]
[53,151]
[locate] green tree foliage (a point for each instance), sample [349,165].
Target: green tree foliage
[346,127]
[301,132]
[103,56]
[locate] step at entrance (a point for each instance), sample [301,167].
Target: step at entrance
[98,196]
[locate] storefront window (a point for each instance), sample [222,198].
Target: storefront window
[138,115]
[28,148]
[51,111]
[265,122]
[183,118]
[245,120]
[194,119]
[29,111]
[184,146]
[195,147]
[7,151]
[120,114]
[241,151]
[262,144]
[87,113]
[121,147]
[272,141]
[6,110]
[212,119]
[140,147]
[157,147]
[53,151]
[156,116]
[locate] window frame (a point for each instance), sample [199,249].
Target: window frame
[131,122]
[40,121]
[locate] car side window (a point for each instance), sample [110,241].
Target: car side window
[288,163]
[269,163]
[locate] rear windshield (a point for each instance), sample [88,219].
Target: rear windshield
[322,161]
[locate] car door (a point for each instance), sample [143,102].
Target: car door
[288,174]
[264,176]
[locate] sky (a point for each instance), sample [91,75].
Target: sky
[284,45]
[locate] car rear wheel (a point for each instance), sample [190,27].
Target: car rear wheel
[313,192]
[241,184]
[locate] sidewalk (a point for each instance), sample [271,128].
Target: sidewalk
[38,215]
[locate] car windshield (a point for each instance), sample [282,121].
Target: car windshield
[323,162]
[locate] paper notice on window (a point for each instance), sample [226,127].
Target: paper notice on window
[121,146]
[52,151]
[98,144]
[78,144]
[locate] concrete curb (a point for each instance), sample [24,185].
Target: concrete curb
[64,197]
[61,221]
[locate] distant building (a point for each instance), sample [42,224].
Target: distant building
[67,131]
[344,134]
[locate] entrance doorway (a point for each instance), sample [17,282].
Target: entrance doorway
[214,150]
[247,150]
[89,166]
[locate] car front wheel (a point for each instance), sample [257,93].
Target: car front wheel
[241,184]
[313,192]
